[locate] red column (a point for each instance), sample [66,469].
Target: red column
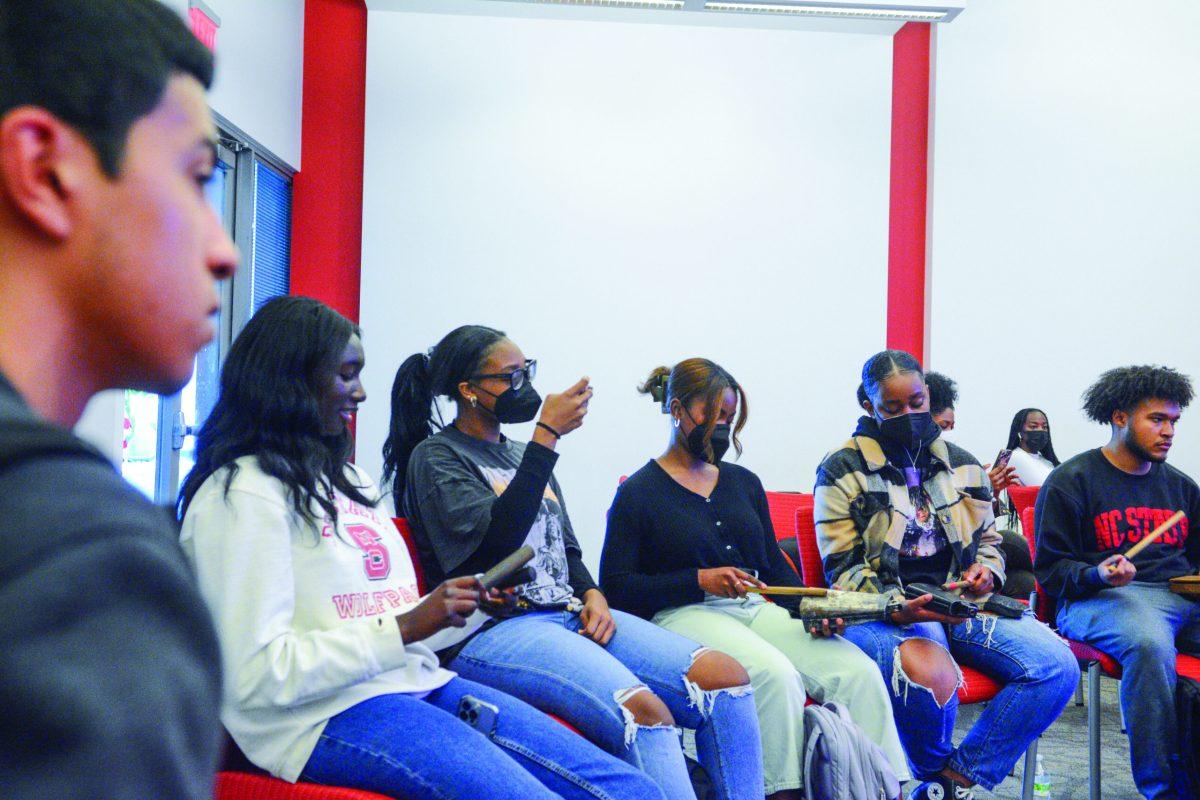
[327,192]
[906,301]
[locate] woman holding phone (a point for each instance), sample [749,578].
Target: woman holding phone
[327,647]
[897,505]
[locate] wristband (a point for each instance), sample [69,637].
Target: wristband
[553,432]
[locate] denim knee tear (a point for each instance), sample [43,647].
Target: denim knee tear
[987,624]
[898,676]
[622,696]
[703,700]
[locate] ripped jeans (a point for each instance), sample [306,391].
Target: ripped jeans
[1038,672]
[787,665]
[542,659]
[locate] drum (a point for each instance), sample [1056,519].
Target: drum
[1187,585]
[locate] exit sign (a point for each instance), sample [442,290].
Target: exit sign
[204,22]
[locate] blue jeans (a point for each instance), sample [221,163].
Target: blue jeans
[404,746]
[1139,625]
[1037,669]
[542,659]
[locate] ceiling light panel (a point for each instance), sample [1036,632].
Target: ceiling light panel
[666,5]
[872,13]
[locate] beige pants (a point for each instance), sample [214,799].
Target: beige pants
[785,664]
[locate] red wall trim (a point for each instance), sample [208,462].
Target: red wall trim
[906,323]
[327,192]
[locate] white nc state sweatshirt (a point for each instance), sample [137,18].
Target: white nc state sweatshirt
[306,615]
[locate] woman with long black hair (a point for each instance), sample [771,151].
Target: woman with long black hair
[327,647]
[472,495]
[1032,451]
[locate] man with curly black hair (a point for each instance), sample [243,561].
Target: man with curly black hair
[1092,509]
[943,394]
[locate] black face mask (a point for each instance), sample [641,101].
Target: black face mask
[1037,440]
[719,442]
[516,405]
[910,431]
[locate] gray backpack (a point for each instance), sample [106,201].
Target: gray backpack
[840,762]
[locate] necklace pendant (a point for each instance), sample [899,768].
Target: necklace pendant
[912,477]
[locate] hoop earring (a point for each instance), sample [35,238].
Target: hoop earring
[675,422]
[473,401]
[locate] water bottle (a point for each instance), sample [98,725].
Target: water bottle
[1041,781]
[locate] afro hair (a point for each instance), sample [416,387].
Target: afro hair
[943,392]
[1124,388]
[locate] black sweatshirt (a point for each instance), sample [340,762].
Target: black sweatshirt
[110,678]
[1088,510]
[660,534]
[471,503]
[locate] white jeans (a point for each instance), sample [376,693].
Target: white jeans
[786,664]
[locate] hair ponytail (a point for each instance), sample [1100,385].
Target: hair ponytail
[411,422]
[420,380]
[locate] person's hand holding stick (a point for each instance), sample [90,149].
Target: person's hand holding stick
[1118,570]
[727,581]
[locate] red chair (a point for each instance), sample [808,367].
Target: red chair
[811,571]
[1095,662]
[976,687]
[1023,497]
[244,786]
[241,780]
[407,535]
[782,508]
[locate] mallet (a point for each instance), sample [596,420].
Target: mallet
[1154,534]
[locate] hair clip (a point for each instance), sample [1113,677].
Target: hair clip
[659,392]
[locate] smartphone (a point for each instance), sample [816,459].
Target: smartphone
[1002,459]
[494,576]
[480,715]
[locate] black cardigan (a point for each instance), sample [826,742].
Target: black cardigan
[660,534]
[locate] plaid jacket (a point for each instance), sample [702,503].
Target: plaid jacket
[863,507]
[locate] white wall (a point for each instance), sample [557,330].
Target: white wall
[1065,208]
[260,54]
[617,196]
[260,69]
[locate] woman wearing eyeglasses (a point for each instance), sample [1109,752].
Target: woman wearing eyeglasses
[472,496]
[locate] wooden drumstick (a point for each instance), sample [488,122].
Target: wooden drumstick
[794,591]
[1154,534]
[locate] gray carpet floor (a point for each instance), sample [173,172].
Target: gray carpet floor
[1064,752]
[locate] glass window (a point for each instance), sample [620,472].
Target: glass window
[272,234]
[252,193]
[139,452]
